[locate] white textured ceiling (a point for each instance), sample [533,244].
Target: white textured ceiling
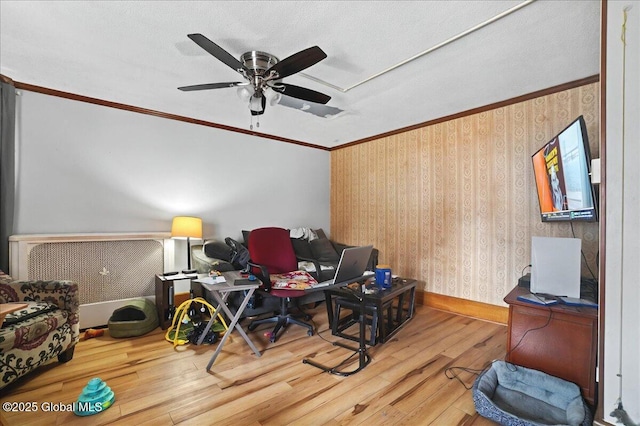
[137,53]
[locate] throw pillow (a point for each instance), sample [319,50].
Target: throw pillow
[323,250]
[320,233]
[302,248]
[296,280]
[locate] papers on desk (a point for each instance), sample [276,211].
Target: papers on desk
[232,282]
[218,279]
[175,277]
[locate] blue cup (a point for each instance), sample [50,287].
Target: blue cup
[383,276]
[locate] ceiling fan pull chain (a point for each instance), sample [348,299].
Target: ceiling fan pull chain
[257,119]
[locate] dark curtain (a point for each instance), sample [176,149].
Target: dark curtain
[7,168]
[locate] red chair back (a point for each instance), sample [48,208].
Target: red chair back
[272,248]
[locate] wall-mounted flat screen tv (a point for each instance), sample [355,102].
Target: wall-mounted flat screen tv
[562,170]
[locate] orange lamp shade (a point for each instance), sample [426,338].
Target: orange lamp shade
[186,227]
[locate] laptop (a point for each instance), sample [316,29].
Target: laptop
[351,268]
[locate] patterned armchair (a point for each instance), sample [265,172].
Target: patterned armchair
[46,328]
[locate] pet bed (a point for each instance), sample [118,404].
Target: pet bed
[513,395]
[138,317]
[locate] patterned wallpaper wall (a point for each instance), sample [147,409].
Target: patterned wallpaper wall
[454,204]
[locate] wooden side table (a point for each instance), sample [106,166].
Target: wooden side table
[559,340]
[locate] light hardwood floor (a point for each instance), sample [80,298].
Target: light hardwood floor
[156,384]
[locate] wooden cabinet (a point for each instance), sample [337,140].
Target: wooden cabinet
[559,340]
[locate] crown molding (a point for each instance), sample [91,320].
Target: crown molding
[500,104]
[131,108]
[139,110]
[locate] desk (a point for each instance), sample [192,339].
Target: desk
[400,289]
[220,292]
[559,340]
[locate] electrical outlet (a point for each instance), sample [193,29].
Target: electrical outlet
[595,171]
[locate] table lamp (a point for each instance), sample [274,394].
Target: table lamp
[187,227]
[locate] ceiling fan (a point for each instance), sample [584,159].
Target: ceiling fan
[263,73]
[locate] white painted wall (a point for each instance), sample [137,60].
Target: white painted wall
[88,168]
[622,269]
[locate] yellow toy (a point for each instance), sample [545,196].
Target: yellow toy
[173,332]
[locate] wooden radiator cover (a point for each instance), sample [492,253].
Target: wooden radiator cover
[107,267]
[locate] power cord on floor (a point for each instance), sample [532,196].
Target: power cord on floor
[451,374]
[315,328]
[547,322]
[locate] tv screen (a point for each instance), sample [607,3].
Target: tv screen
[562,173]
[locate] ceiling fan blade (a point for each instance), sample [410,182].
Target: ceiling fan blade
[217,51]
[211,86]
[301,93]
[324,111]
[298,61]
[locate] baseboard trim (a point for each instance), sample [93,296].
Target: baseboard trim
[470,308]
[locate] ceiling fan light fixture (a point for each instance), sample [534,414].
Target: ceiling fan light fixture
[272,96]
[245,93]
[255,105]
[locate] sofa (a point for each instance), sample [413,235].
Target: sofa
[47,328]
[319,255]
